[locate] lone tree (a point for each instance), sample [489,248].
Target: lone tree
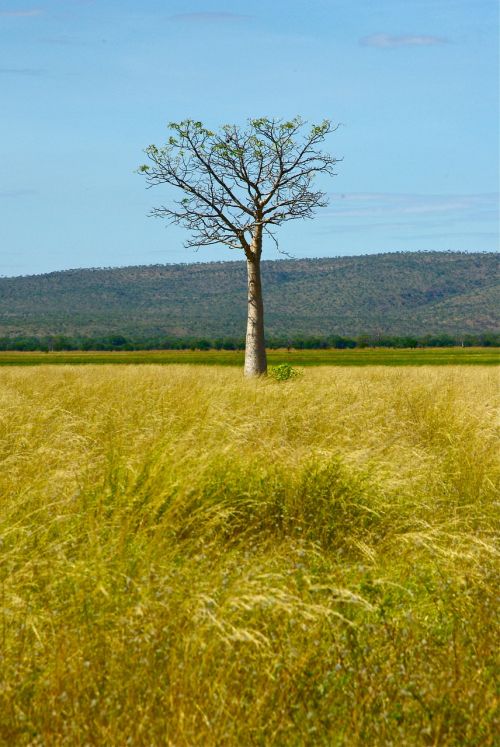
[238,184]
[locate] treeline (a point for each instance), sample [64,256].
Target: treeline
[297,342]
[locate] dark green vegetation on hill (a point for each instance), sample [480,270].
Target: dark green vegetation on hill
[386,294]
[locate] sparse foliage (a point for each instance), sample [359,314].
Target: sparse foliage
[239,180]
[239,184]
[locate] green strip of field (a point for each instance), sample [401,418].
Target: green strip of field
[366,357]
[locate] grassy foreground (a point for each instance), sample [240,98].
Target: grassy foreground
[359,357]
[188,558]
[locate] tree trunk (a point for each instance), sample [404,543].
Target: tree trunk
[255,347]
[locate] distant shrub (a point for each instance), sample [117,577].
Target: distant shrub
[283,372]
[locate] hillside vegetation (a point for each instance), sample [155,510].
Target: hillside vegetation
[188,558]
[386,294]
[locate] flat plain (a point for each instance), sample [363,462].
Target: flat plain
[189,558]
[358,357]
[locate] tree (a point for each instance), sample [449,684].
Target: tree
[239,184]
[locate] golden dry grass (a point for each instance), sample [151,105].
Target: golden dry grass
[188,558]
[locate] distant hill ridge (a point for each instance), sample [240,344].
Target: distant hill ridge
[391,294]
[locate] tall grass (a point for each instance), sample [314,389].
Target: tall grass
[188,558]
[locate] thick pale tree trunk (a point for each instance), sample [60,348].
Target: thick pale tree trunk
[255,348]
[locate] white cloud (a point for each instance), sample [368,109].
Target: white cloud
[411,215]
[7,193]
[379,204]
[20,71]
[209,17]
[387,41]
[22,13]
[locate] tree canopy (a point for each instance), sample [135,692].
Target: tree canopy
[239,184]
[240,178]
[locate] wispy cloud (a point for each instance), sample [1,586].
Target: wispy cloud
[379,204]
[22,13]
[387,41]
[412,215]
[487,235]
[209,17]
[65,41]
[8,193]
[20,71]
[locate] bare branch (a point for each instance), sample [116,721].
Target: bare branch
[240,181]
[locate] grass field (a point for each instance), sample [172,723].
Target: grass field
[359,357]
[189,558]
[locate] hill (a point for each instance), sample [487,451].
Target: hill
[389,294]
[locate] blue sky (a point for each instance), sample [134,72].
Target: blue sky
[87,84]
